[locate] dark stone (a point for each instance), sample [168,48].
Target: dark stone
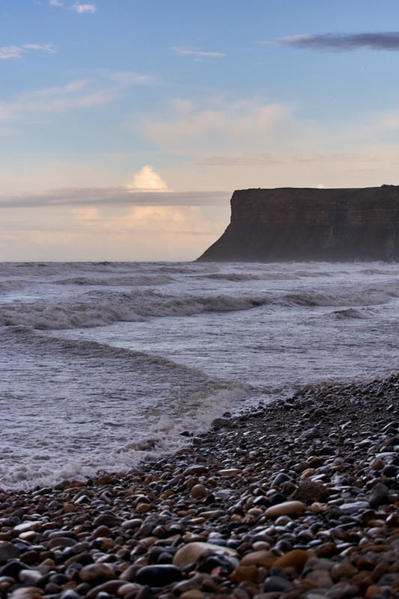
[379,495]
[12,569]
[277,584]
[158,575]
[9,551]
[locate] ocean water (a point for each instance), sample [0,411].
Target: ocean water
[102,364]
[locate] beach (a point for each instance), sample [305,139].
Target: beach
[296,499]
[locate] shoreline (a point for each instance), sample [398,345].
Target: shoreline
[297,499]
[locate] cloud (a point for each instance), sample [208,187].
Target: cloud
[77,6]
[388,40]
[288,159]
[198,53]
[84,8]
[193,130]
[146,179]
[113,196]
[75,95]
[7,52]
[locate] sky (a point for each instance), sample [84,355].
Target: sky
[125,125]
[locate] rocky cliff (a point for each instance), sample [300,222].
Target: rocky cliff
[310,224]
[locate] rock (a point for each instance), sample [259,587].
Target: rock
[8,551]
[229,472]
[108,519]
[259,558]
[293,559]
[111,587]
[27,593]
[159,575]
[354,507]
[195,469]
[27,525]
[70,594]
[30,577]
[94,572]
[191,552]
[193,594]
[310,491]
[288,508]
[242,573]
[198,491]
[277,584]
[319,579]
[310,224]
[379,495]
[12,569]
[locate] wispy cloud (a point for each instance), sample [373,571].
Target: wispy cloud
[191,129]
[78,94]
[288,159]
[388,40]
[7,52]
[198,53]
[113,196]
[76,6]
[84,8]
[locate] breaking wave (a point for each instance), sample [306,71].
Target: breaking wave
[98,308]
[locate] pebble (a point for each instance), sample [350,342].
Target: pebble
[293,559]
[298,501]
[191,552]
[158,576]
[286,508]
[94,572]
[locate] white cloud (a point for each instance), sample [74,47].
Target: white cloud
[198,53]
[77,6]
[248,125]
[146,179]
[7,52]
[85,8]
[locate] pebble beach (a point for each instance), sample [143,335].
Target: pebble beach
[296,499]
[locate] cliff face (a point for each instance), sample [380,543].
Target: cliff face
[310,224]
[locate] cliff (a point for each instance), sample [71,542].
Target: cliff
[310,224]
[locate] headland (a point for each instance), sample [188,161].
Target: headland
[301,224]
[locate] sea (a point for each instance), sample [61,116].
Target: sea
[104,364]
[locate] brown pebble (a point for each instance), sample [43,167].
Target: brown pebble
[373,591]
[198,491]
[192,551]
[142,508]
[288,508]
[293,559]
[242,573]
[259,558]
[193,594]
[96,572]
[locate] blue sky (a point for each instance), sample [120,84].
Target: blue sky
[126,125]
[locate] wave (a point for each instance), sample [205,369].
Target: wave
[90,406]
[99,307]
[238,277]
[348,314]
[132,281]
[12,285]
